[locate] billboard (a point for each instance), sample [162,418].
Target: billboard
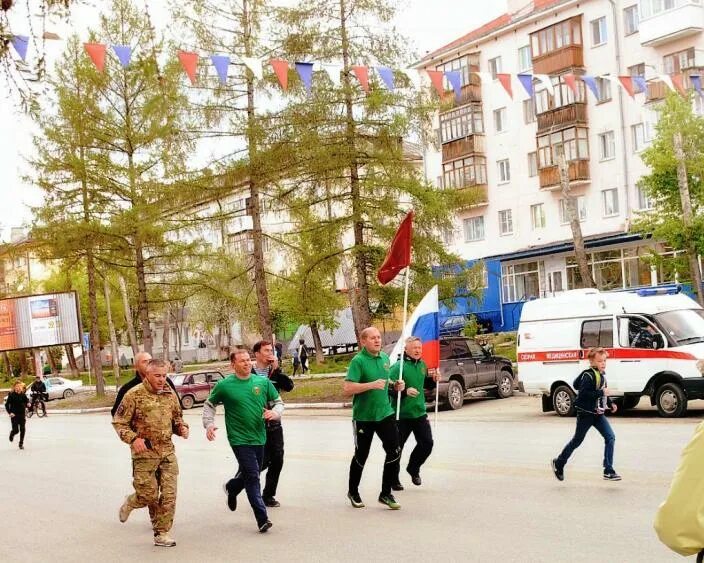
[33,321]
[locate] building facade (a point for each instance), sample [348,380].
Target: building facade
[505,150]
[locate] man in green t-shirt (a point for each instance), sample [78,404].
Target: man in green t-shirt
[245,397]
[368,381]
[413,418]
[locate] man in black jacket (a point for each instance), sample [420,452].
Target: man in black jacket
[591,403]
[267,365]
[140,367]
[16,407]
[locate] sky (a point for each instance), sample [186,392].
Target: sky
[424,22]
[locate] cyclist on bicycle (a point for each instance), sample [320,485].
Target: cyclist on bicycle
[38,392]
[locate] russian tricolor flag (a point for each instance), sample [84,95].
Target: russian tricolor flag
[424,323]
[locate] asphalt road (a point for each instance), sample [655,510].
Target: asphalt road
[487,495]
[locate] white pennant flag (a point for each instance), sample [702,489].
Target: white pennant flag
[667,80]
[333,71]
[255,65]
[546,81]
[485,77]
[413,76]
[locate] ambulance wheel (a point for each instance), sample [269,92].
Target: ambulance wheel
[563,400]
[504,389]
[670,400]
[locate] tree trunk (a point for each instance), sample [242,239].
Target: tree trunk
[142,298]
[94,351]
[571,203]
[8,364]
[128,317]
[687,216]
[22,359]
[219,342]
[317,343]
[52,362]
[165,337]
[75,372]
[113,336]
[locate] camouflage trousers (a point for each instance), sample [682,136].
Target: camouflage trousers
[154,480]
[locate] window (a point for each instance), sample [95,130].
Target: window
[504,171]
[465,172]
[572,141]
[448,236]
[604,87]
[529,111]
[698,105]
[642,136]
[597,333]
[630,19]
[679,61]
[524,61]
[473,229]
[636,70]
[461,123]
[500,120]
[563,95]
[598,31]
[462,65]
[520,282]
[532,164]
[607,146]
[654,7]
[506,222]
[645,203]
[609,199]
[581,210]
[636,332]
[495,66]
[537,216]
[186,334]
[563,34]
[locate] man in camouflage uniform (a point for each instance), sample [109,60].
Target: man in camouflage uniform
[145,419]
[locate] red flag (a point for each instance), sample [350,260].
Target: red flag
[399,255]
[96,52]
[281,70]
[571,82]
[189,62]
[505,80]
[436,77]
[627,83]
[362,74]
[678,83]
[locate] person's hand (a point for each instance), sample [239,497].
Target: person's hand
[183,431]
[138,446]
[378,384]
[271,415]
[274,364]
[400,385]
[210,432]
[435,374]
[614,408]
[412,392]
[12,414]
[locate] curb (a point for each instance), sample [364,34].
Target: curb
[78,411]
[289,406]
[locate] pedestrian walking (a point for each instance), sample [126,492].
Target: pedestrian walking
[146,418]
[296,362]
[592,403]
[367,381]
[16,406]
[245,397]
[266,364]
[413,418]
[303,356]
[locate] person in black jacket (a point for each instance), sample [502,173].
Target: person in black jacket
[38,392]
[16,407]
[267,365]
[591,404]
[140,368]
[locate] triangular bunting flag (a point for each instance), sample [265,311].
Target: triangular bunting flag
[696,81]
[639,82]
[667,80]
[436,77]
[455,79]
[281,69]
[678,83]
[20,43]
[627,83]
[305,71]
[546,82]
[222,65]
[571,82]
[387,77]
[527,81]
[189,62]
[505,80]
[333,72]
[590,81]
[362,74]
[123,54]
[96,52]
[484,76]
[254,65]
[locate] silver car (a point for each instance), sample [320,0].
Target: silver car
[60,387]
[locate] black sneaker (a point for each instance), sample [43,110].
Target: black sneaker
[397,486]
[264,528]
[12,436]
[356,500]
[271,502]
[22,447]
[415,478]
[611,476]
[389,501]
[557,470]
[231,499]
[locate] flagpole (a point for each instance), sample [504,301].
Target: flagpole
[403,326]
[437,399]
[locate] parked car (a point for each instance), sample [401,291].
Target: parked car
[60,387]
[466,367]
[194,387]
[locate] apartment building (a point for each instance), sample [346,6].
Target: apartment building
[505,150]
[21,270]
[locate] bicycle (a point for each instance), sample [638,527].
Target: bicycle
[37,407]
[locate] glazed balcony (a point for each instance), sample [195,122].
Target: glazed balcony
[555,62]
[558,118]
[470,93]
[477,195]
[473,144]
[657,89]
[550,177]
[685,19]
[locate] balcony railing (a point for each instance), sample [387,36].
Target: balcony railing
[673,24]
[571,114]
[474,144]
[550,177]
[657,89]
[559,60]
[468,94]
[476,195]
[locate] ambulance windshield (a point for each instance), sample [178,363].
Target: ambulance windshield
[685,326]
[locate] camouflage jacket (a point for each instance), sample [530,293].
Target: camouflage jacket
[150,416]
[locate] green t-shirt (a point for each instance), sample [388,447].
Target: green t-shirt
[372,405]
[244,401]
[414,374]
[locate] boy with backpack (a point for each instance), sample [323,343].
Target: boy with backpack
[591,404]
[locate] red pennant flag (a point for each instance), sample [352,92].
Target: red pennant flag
[399,255]
[281,70]
[678,83]
[436,77]
[627,83]
[571,82]
[96,52]
[505,80]
[362,74]
[189,62]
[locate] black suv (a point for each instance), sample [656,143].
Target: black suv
[467,367]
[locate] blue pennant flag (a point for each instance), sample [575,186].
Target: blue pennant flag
[387,75]
[455,79]
[221,64]
[639,81]
[20,43]
[123,53]
[590,81]
[305,71]
[696,82]
[527,81]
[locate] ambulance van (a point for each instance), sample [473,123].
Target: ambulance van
[654,337]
